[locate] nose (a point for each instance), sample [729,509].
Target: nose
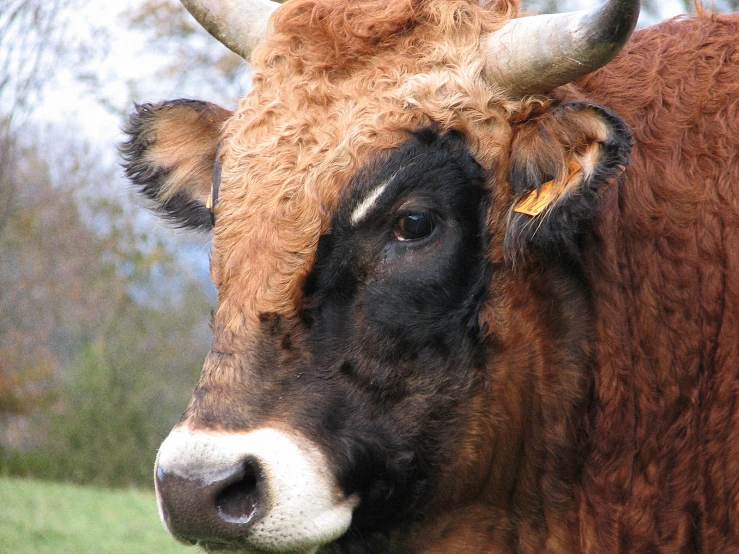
[215,506]
[262,490]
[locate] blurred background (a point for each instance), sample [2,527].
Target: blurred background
[103,311]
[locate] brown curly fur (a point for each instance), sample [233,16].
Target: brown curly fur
[663,470]
[336,83]
[649,462]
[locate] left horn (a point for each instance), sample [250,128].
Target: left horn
[238,24]
[536,54]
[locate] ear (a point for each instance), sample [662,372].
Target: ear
[170,156]
[560,164]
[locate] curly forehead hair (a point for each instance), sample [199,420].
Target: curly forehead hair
[347,31]
[335,84]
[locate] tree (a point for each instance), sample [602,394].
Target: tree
[33,42]
[90,362]
[32,39]
[94,351]
[195,60]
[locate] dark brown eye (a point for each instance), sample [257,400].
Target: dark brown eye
[415,226]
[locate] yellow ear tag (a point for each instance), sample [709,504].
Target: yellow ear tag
[209,202]
[536,200]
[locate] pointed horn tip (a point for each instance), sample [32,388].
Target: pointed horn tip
[536,54]
[240,25]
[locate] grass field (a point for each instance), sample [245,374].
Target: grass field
[40,518]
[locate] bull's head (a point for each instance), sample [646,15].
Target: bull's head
[401,340]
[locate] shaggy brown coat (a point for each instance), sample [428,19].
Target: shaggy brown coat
[634,445]
[662,472]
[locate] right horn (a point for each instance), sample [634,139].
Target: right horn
[238,24]
[531,55]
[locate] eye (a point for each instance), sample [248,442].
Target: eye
[415,226]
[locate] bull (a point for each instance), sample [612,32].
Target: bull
[478,281]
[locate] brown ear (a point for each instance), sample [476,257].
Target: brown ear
[170,156]
[559,166]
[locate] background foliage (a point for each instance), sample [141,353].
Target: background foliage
[103,323]
[103,313]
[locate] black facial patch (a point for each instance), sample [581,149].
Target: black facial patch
[432,186]
[391,311]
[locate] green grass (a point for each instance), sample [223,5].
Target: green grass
[39,518]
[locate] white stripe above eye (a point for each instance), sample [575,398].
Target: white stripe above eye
[364,207]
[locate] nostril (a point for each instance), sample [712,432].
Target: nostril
[238,502]
[216,507]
